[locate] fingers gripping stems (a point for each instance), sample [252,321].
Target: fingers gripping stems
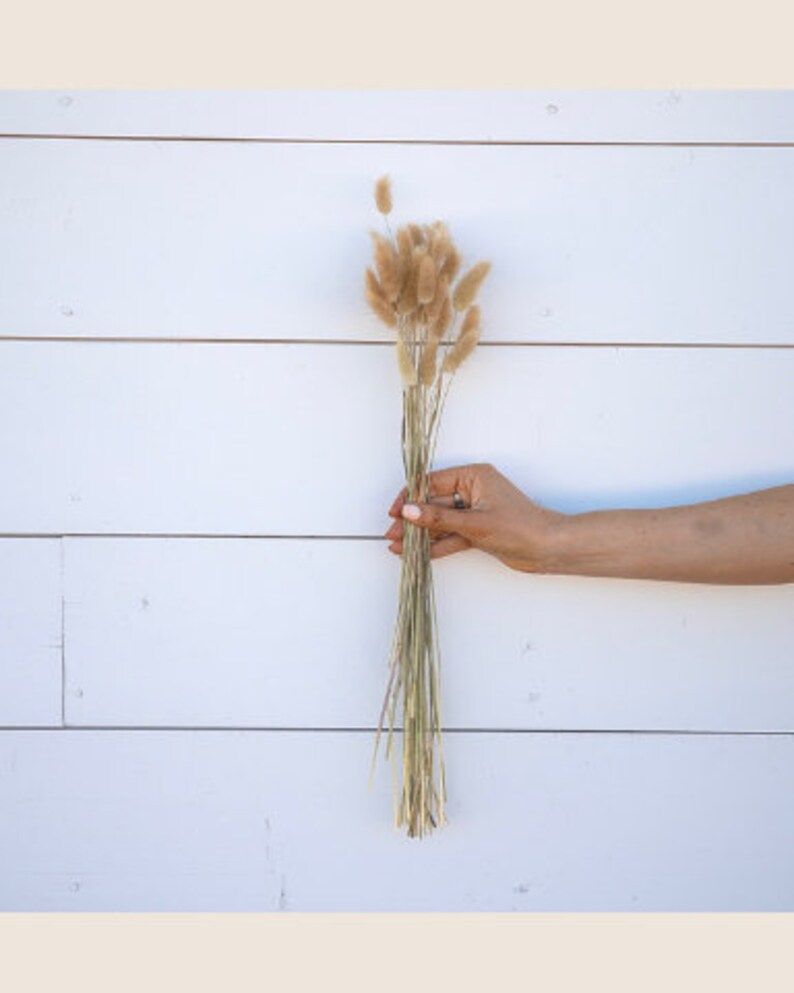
[438,518]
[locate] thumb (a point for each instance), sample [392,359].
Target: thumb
[438,518]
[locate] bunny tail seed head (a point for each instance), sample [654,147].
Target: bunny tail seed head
[383,200]
[427,364]
[381,308]
[426,280]
[444,319]
[405,248]
[405,364]
[442,292]
[417,234]
[440,242]
[469,285]
[452,262]
[405,245]
[460,351]
[372,284]
[471,322]
[387,266]
[409,299]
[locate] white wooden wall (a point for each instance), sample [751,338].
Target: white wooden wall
[199,439]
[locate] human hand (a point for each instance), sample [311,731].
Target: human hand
[743,539]
[498,518]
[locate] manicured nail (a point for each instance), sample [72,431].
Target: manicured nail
[411,512]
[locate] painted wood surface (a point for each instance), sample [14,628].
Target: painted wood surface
[304,440]
[589,244]
[284,821]
[410,115]
[295,633]
[642,757]
[30,632]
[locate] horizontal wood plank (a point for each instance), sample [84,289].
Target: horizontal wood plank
[642,218]
[284,821]
[30,632]
[185,240]
[295,633]
[304,439]
[409,115]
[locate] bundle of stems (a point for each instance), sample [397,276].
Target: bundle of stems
[415,288]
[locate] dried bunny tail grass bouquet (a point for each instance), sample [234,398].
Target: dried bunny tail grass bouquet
[414,287]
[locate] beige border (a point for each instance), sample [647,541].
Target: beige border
[393,952]
[424,44]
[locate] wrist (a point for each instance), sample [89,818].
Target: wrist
[550,543]
[567,546]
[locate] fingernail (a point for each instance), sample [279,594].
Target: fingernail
[411,512]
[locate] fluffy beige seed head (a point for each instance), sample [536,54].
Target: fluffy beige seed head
[417,234]
[466,341]
[426,280]
[469,285]
[409,299]
[388,268]
[405,248]
[459,352]
[381,308]
[383,199]
[451,266]
[440,241]
[471,322]
[405,364]
[405,245]
[372,284]
[443,320]
[442,292]
[427,364]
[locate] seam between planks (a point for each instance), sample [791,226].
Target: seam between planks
[465,142]
[265,729]
[46,535]
[377,342]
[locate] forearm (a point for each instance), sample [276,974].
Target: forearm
[746,539]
